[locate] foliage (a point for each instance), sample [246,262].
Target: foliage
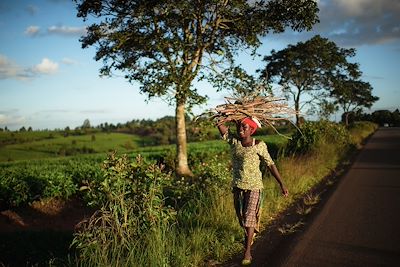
[352,94]
[132,205]
[308,68]
[385,117]
[24,182]
[86,124]
[236,80]
[312,134]
[359,131]
[23,185]
[164,45]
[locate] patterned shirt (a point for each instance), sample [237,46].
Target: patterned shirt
[246,163]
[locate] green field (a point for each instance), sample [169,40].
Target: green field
[37,166]
[16,146]
[39,145]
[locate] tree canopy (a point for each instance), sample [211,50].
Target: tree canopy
[166,45]
[353,94]
[308,68]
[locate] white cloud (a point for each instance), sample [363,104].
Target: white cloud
[10,70]
[11,120]
[7,68]
[67,31]
[32,31]
[3,119]
[46,67]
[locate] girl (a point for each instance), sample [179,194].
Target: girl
[247,154]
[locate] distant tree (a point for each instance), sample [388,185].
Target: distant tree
[396,118]
[352,94]
[105,127]
[86,124]
[67,131]
[326,108]
[307,69]
[166,45]
[381,117]
[22,129]
[6,129]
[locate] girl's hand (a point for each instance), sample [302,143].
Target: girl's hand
[285,192]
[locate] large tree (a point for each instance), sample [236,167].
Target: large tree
[352,94]
[165,45]
[308,69]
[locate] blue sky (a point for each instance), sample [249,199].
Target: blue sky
[48,81]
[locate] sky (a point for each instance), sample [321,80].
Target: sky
[47,81]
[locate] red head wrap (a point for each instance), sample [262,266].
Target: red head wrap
[252,122]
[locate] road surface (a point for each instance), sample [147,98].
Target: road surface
[359,224]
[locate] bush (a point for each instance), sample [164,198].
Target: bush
[312,134]
[24,182]
[360,130]
[132,205]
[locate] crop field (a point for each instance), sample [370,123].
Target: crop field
[39,170]
[16,146]
[38,145]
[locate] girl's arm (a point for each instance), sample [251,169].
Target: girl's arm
[223,129]
[278,178]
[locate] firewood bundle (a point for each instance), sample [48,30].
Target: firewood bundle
[266,109]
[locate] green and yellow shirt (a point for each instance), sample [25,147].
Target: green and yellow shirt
[246,163]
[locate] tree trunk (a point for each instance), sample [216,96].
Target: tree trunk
[347,118]
[182,167]
[297,109]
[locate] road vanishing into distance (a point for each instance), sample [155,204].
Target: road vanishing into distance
[359,225]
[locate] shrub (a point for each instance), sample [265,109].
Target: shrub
[312,134]
[360,130]
[132,205]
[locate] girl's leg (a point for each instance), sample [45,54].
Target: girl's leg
[251,219]
[238,203]
[248,242]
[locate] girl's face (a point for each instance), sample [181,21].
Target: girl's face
[243,130]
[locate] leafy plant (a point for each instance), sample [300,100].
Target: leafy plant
[313,134]
[132,205]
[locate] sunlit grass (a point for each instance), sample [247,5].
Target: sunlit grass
[59,145]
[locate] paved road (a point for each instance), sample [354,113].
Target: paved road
[360,223]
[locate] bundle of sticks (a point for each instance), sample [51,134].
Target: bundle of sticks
[266,109]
